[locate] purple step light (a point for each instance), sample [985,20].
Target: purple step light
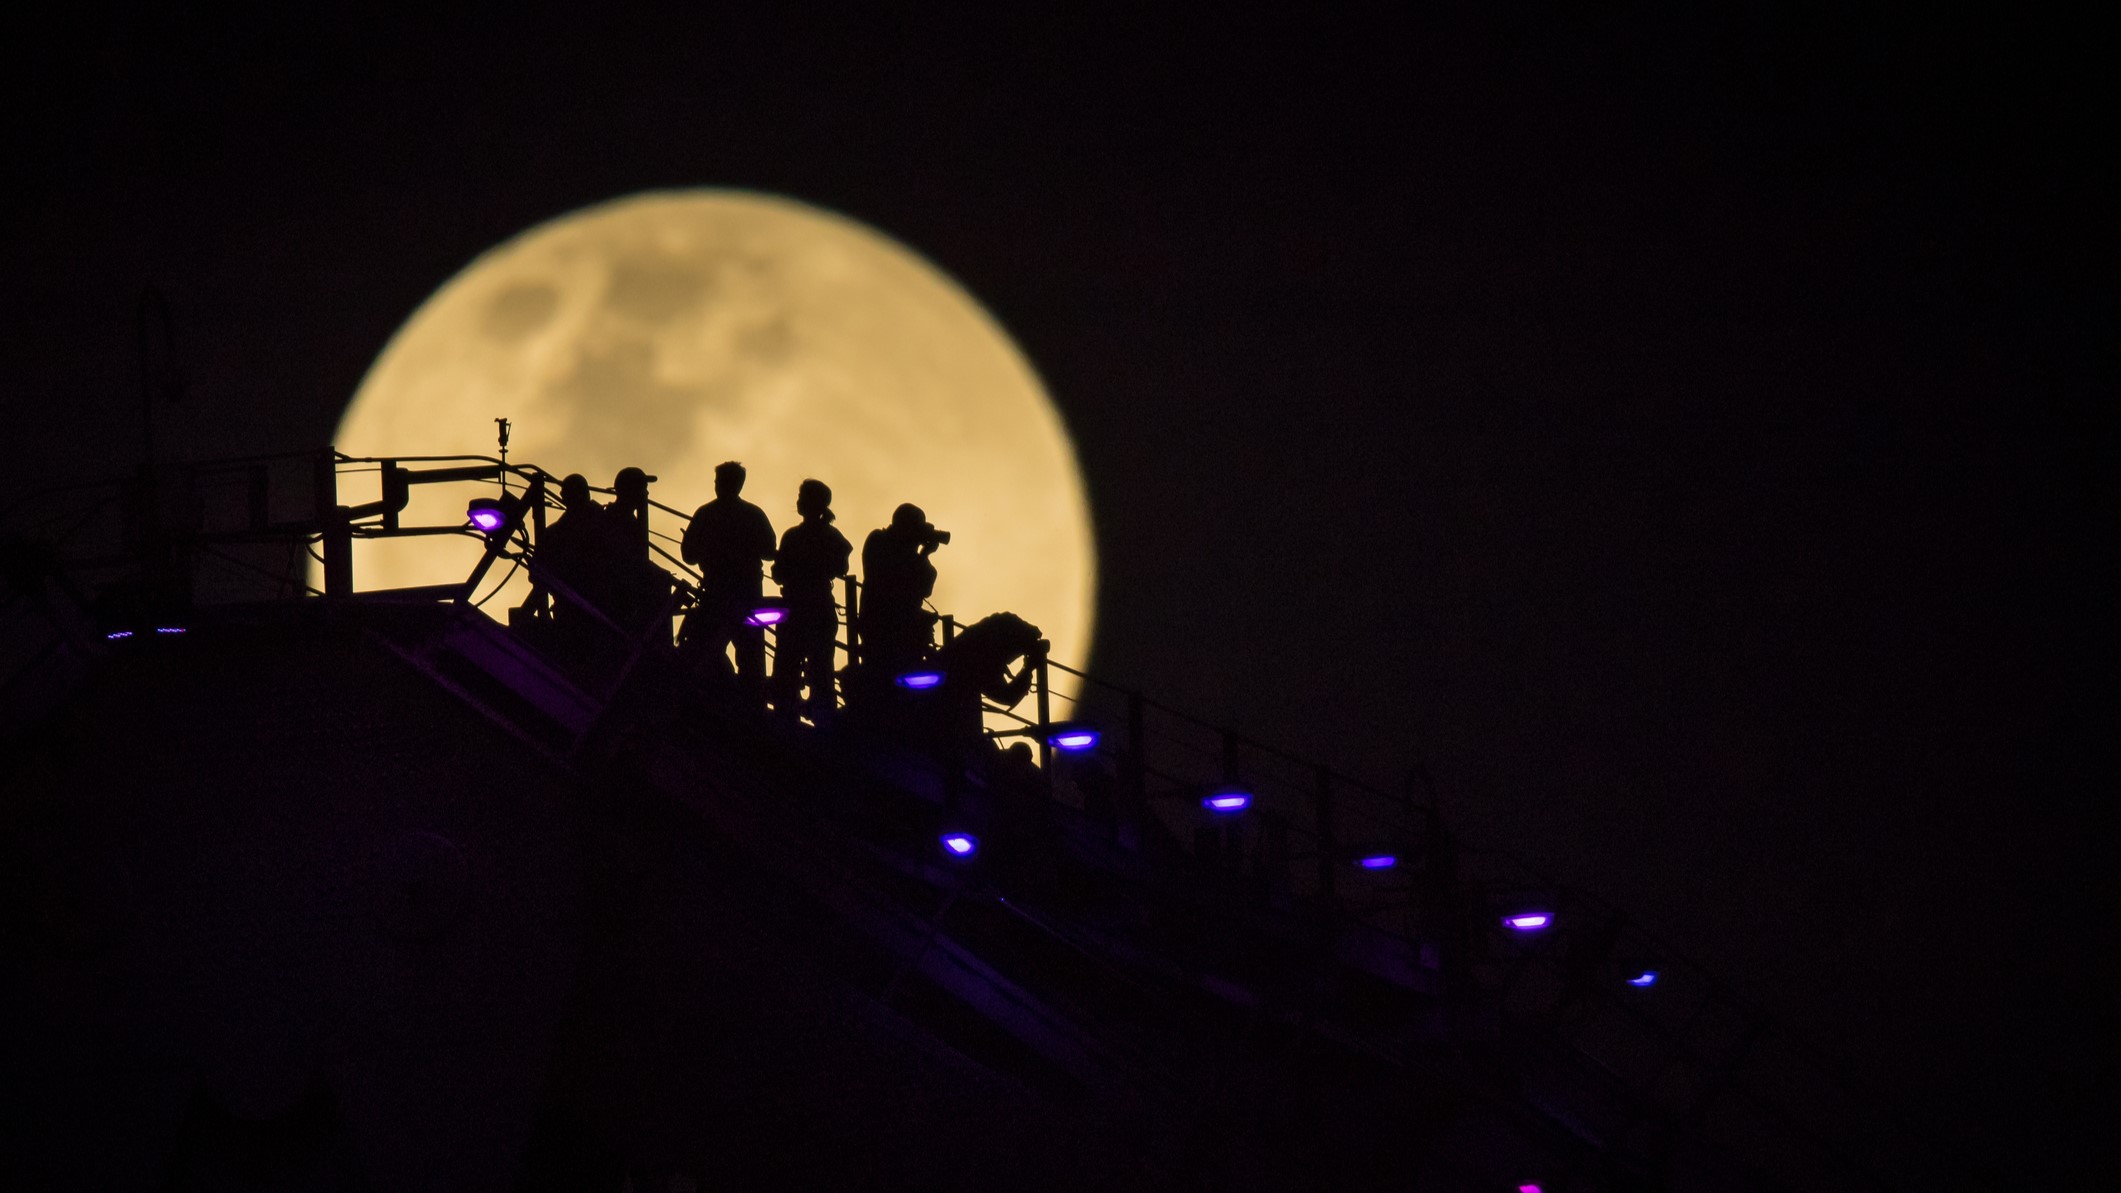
[1377,861]
[117,635]
[920,681]
[1528,921]
[1228,799]
[1072,737]
[487,514]
[1644,980]
[169,629]
[960,845]
[766,613]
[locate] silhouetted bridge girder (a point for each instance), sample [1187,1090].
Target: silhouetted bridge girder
[371,890]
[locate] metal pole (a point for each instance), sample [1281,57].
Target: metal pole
[335,535]
[495,544]
[1045,722]
[854,636]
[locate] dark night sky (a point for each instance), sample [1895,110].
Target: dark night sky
[1679,433]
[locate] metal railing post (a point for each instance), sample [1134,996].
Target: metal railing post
[1045,721]
[335,534]
[854,636]
[496,543]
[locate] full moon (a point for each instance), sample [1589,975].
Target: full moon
[673,330]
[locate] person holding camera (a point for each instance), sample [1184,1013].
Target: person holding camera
[897,580]
[975,667]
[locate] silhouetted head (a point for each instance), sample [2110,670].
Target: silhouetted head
[1011,634]
[813,499]
[728,478]
[631,482]
[574,491]
[908,517]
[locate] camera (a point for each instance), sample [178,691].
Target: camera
[932,538]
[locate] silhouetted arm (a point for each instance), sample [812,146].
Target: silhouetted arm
[689,545]
[1011,692]
[842,553]
[762,536]
[786,540]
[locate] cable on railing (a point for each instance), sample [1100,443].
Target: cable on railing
[514,566]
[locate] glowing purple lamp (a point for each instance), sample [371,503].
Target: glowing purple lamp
[767,612]
[1644,980]
[1528,921]
[487,514]
[1377,861]
[920,681]
[1227,799]
[960,845]
[1072,737]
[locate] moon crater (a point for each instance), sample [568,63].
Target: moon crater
[656,290]
[520,310]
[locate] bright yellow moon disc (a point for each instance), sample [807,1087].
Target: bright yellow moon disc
[673,330]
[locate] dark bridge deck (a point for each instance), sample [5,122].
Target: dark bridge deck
[366,892]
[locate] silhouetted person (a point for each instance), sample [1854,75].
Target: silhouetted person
[975,666]
[727,539]
[897,580]
[568,552]
[629,503]
[1014,771]
[637,589]
[812,557]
